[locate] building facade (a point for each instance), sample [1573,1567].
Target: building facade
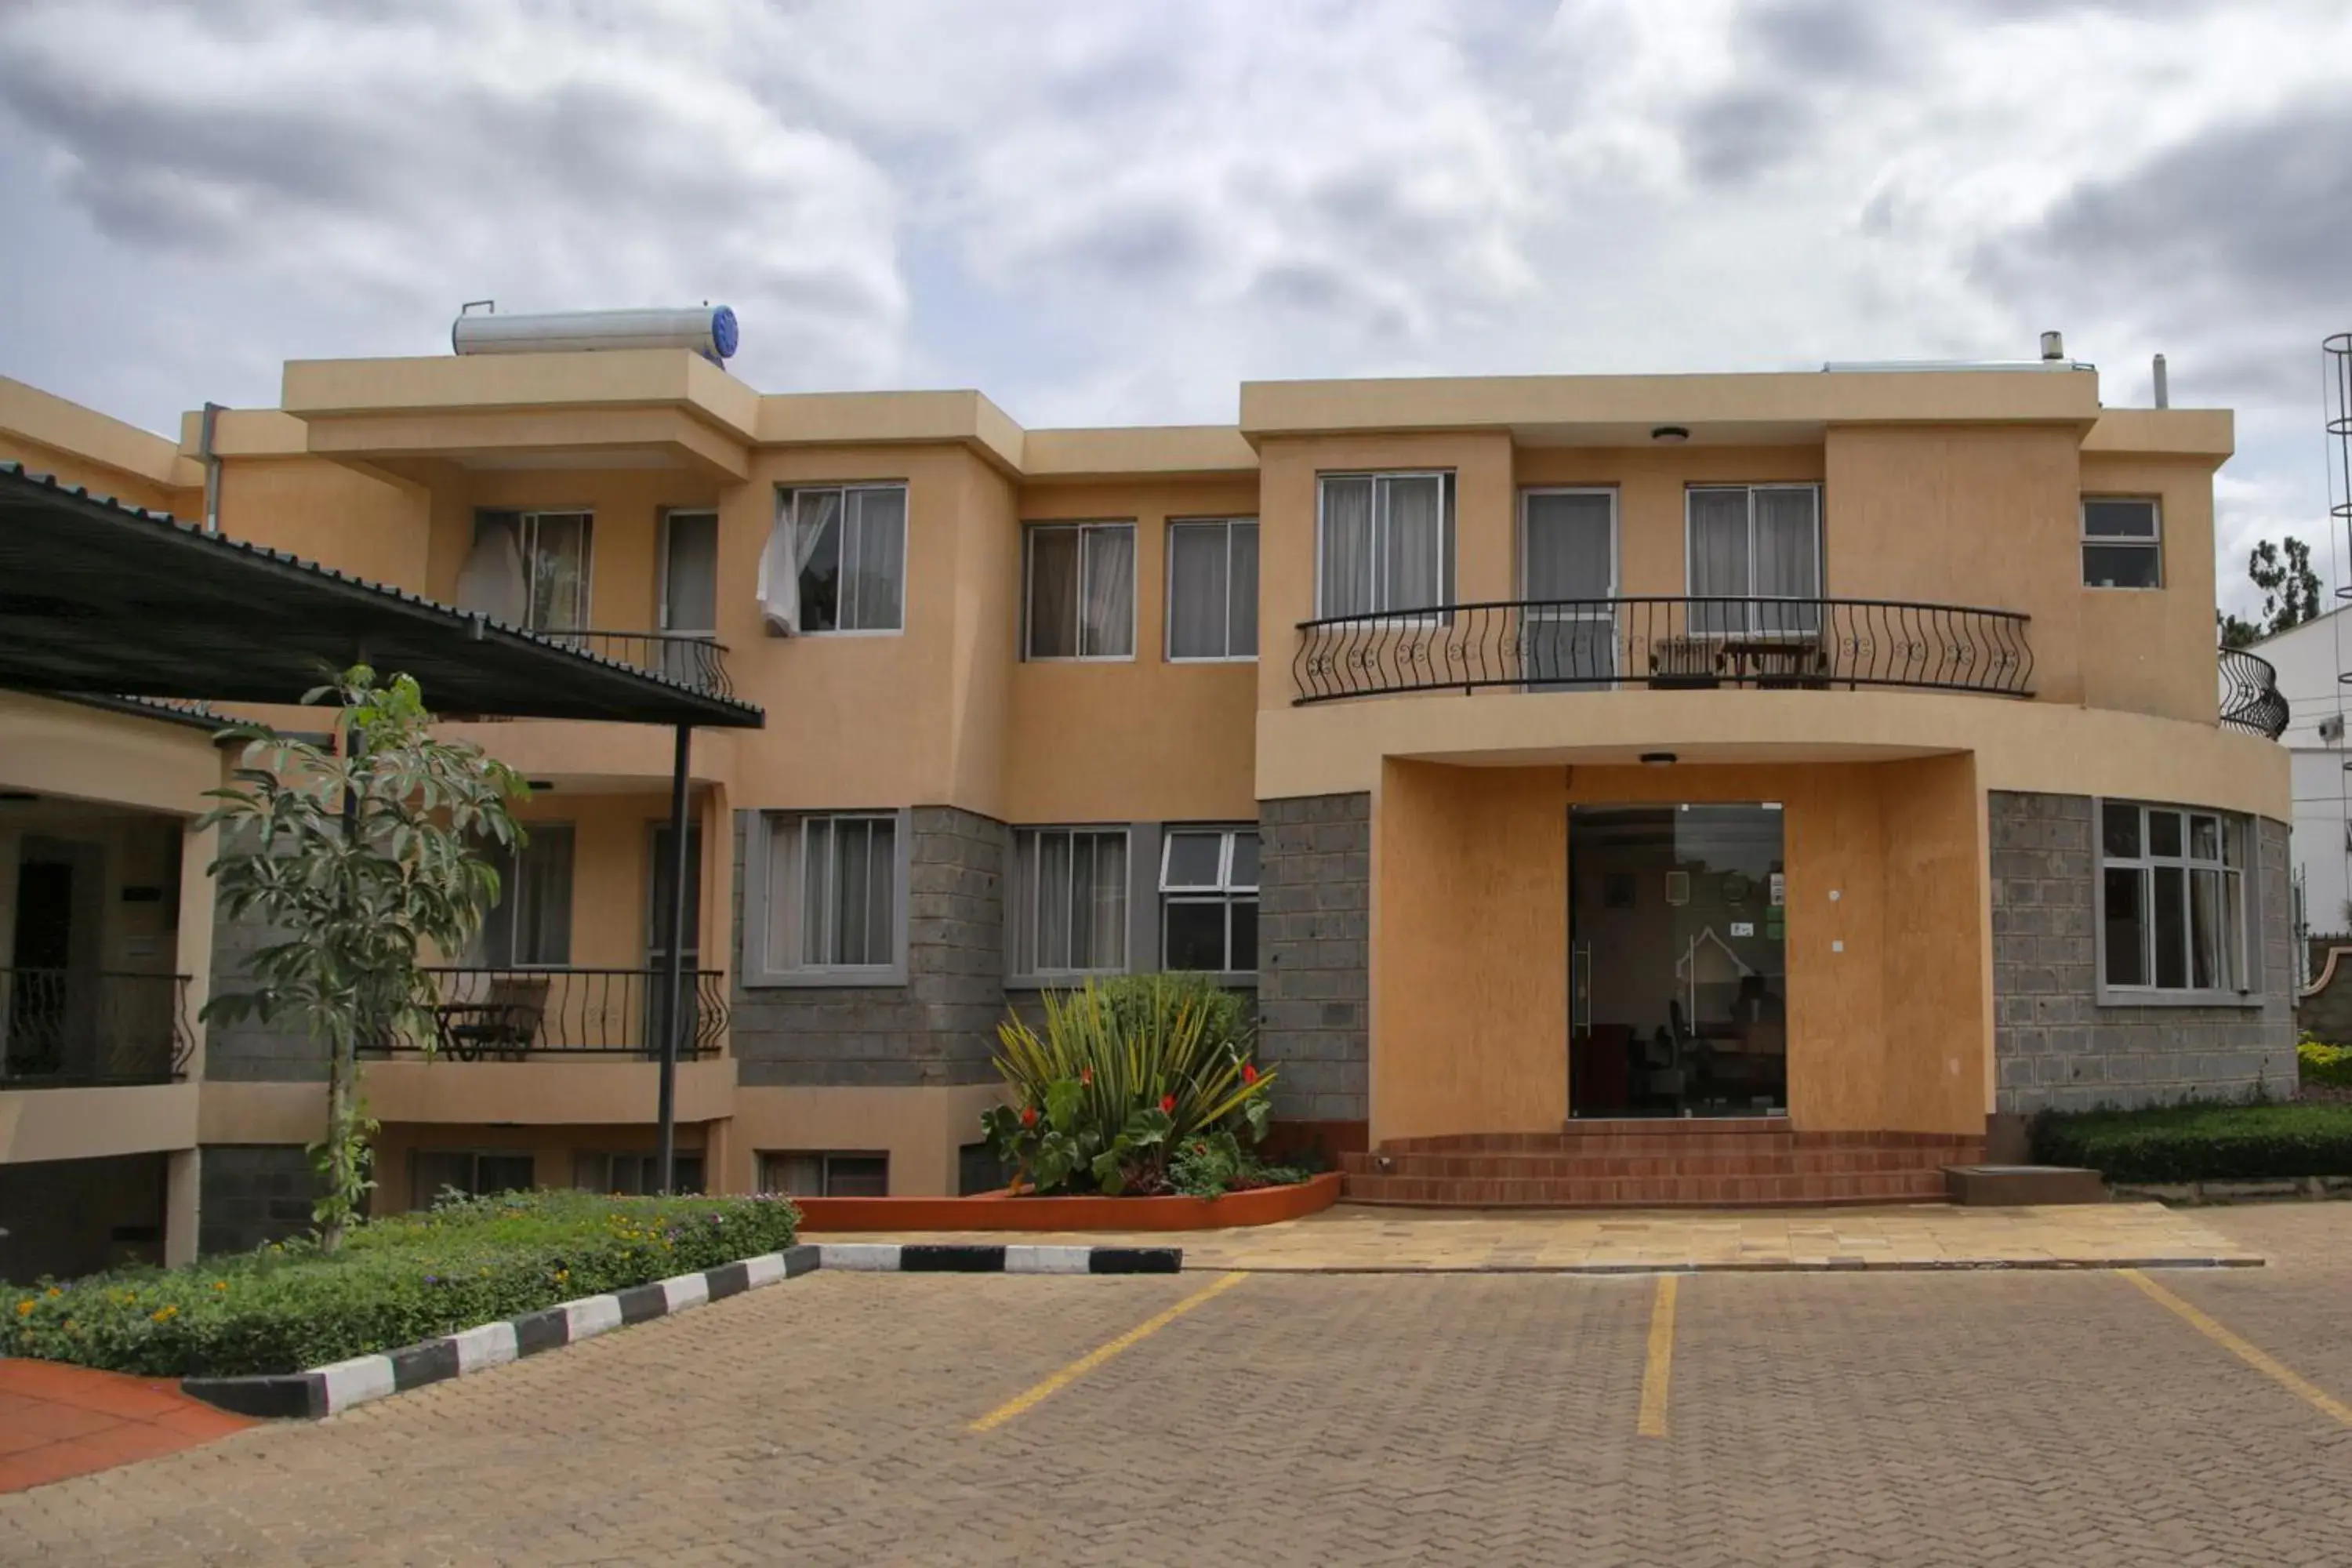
[1844,749]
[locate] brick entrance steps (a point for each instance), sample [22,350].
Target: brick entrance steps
[1657,1163]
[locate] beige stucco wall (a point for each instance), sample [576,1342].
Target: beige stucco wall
[91,1123]
[920,1129]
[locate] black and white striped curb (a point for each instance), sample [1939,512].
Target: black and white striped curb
[329,1390]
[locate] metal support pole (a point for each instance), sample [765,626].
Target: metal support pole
[673,979]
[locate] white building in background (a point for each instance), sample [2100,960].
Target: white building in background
[2307,660]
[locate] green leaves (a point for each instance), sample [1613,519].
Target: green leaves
[360,857]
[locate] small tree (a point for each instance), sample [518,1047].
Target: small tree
[362,857]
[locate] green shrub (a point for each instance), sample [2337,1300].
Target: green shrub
[396,1281]
[2320,1062]
[1215,1164]
[2202,1142]
[1125,1070]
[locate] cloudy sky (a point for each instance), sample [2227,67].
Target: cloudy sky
[1105,213]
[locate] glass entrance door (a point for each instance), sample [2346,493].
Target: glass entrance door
[1678,979]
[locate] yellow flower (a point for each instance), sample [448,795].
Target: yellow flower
[25,1308]
[56,1290]
[220,1284]
[164,1314]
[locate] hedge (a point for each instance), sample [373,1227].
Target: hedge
[2202,1143]
[2319,1062]
[396,1281]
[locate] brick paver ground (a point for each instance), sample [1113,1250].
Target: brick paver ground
[2012,1417]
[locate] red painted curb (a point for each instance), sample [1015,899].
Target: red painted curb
[996,1210]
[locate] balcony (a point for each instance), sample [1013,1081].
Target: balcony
[1664,644]
[565,1014]
[689,658]
[76,1028]
[2251,701]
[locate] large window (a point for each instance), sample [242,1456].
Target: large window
[531,567]
[1069,900]
[634,1174]
[825,1174]
[1080,597]
[843,550]
[1757,545]
[2123,544]
[2172,900]
[1384,542]
[530,925]
[1208,899]
[833,884]
[1212,590]
[474,1172]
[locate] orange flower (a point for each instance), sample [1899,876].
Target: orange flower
[1168,1103]
[1249,1072]
[1086,1074]
[1028,1116]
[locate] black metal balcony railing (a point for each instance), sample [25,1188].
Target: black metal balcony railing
[2251,700]
[1587,645]
[690,658]
[62,1028]
[519,1014]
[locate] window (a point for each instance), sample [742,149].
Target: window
[1069,909]
[531,567]
[1756,543]
[1568,565]
[473,1172]
[1208,891]
[634,1174]
[689,584]
[2123,544]
[1383,542]
[1212,590]
[837,560]
[1080,598]
[833,884]
[825,1174]
[2172,900]
[530,925]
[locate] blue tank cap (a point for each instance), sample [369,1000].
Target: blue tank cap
[723,332]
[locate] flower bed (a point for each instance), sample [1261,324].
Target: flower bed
[396,1281]
[2202,1143]
[1028,1212]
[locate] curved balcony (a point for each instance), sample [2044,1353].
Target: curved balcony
[66,1028]
[566,1014]
[1664,644]
[2251,700]
[690,658]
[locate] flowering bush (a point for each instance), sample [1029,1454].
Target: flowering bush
[2320,1062]
[1124,1073]
[396,1281]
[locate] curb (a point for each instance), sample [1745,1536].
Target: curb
[325,1391]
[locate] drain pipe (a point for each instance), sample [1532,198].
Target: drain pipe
[213,411]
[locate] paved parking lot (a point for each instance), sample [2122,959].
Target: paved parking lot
[2018,1418]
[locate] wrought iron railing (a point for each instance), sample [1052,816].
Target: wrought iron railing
[690,658]
[68,1027]
[2251,700]
[1584,645]
[523,1015]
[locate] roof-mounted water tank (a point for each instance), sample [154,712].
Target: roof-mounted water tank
[708,329]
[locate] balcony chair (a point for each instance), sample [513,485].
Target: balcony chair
[501,1025]
[1685,664]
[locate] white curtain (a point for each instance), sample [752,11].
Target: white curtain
[492,580]
[1241,632]
[816,891]
[1346,580]
[1413,542]
[1107,628]
[1051,894]
[1567,547]
[875,560]
[1053,592]
[1198,596]
[559,572]
[1718,558]
[690,575]
[1787,556]
[804,522]
[1102,898]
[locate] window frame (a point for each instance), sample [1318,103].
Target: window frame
[760,918]
[1167,574]
[2154,543]
[826,1157]
[1224,893]
[2246,940]
[477,1155]
[1446,536]
[648,1157]
[1022,902]
[1752,599]
[1082,527]
[661,571]
[786,515]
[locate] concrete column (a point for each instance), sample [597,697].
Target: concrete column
[182,1170]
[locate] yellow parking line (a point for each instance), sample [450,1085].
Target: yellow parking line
[1101,1354]
[2319,1398]
[1660,1371]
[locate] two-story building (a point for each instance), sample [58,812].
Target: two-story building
[1837,759]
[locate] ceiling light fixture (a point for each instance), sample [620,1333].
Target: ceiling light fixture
[1657,759]
[1670,435]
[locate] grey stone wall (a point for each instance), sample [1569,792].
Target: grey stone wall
[248,1194]
[2053,1045]
[1314,963]
[937,1028]
[248,1051]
